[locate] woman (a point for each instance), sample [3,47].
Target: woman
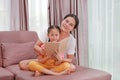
[68,24]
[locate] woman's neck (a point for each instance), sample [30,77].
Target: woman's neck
[64,35]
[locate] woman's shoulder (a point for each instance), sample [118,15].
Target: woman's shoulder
[72,38]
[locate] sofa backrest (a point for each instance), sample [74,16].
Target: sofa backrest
[16,37]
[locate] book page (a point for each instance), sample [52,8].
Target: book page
[56,47]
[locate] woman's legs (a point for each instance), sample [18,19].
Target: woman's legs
[72,68]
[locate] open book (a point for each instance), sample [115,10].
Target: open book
[56,47]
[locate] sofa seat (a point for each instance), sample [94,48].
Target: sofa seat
[5,74]
[18,45]
[81,73]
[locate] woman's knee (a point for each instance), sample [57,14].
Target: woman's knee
[69,66]
[72,68]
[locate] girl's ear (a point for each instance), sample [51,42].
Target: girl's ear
[48,38]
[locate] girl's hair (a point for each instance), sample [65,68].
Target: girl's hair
[75,18]
[53,27]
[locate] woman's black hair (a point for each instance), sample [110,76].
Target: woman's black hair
[75,18]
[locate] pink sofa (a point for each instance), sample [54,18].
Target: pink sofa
[18,45]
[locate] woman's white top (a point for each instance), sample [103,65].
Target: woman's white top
[71,45]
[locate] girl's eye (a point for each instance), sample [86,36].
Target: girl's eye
[56,35]
[51,34]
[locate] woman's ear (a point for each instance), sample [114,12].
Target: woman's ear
[47,34]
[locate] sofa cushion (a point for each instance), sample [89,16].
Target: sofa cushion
[16,37]
[82,73]
[5,74]
[0,56]
[15,52]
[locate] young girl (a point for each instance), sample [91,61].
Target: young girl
[46,60]
[48,64]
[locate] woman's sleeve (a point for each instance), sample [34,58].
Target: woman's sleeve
[71,46]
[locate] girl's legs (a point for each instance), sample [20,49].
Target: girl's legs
[61,67]
[35,66]
[37,73]
[24,64]
[64,66]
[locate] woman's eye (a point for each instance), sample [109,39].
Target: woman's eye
[71,24]
[67,21]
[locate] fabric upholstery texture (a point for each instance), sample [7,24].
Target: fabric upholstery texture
[16,37]
[13,53]
[5,74]
[81,73]
[0,56]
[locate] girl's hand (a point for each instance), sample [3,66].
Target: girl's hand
[67,60]
[58,62]
[58,57]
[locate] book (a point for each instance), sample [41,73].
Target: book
[56,47]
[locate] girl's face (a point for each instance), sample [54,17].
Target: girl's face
[54,35]
[68,24]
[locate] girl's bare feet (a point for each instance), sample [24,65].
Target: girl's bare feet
[37,73]
[67,71]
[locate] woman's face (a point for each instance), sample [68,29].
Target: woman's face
[68,24]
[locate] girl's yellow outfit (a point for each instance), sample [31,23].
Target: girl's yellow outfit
[49,64]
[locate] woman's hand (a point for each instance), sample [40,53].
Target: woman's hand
[68,59]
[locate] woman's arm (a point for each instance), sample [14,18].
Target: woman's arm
[68,59]
[71,49]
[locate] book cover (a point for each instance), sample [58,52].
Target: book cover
[56,47]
